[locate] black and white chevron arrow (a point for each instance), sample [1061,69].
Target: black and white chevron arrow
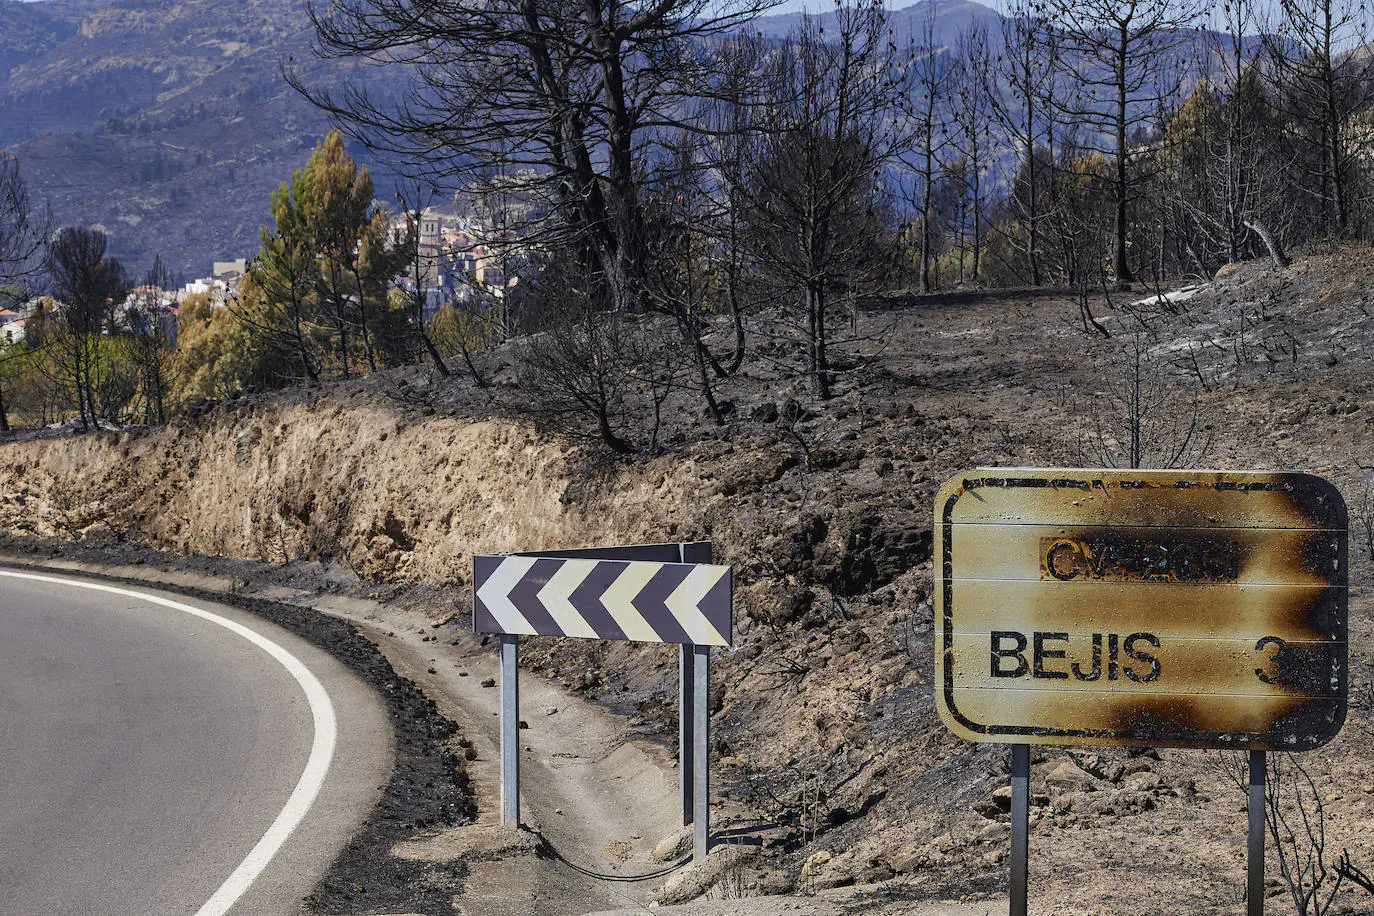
[602,599]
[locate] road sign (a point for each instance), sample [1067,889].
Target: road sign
[1164,608]
[522,595]
[630,593]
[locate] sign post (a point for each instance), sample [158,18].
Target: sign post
[686,723]
[1254,877]
[701,775]
[1200,609]
[1020,827]
[510,731]
[699,552]
[649,593]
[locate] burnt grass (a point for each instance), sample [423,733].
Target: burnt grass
[429,785]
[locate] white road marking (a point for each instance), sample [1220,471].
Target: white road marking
[316,766]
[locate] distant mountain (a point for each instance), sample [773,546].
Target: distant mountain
[27,29]
[952,17]
[166,122]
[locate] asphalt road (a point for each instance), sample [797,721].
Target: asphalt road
[153,761]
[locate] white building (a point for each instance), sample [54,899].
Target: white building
[11,326]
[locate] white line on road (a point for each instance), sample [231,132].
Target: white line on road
[316,767]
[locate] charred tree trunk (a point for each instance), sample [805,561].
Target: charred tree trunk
[1276,252]
[436,359]
[1120,256]
[608,436]
[737,319]
[736,313]
[362,316]
[477,378]
[927,192]
[1032,197]
[704,380]
[815,320]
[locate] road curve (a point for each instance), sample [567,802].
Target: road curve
[164,755]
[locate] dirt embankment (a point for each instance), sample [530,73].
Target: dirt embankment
[387,496]
[833,769]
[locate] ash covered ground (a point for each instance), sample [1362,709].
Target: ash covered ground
[832,768]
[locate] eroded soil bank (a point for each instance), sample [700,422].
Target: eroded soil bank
[832,768]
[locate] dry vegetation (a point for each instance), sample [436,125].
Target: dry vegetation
[832,763]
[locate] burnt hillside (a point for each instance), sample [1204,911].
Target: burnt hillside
[831,757]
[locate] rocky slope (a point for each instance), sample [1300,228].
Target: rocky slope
[27,29]
[833,768]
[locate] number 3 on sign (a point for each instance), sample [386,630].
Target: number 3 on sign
[1272,659]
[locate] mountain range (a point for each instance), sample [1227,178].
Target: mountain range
[167,123]
[951,18]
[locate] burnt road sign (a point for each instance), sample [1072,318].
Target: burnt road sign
[523,595]
[1167,608]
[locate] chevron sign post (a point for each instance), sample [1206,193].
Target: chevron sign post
[656,593]
[602,599]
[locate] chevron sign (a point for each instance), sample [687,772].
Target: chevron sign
[602,599]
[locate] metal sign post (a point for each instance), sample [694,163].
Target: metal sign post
[1020,827]
[510,730]
[686,724]
[701,776]
[648,593]
[698,552]
[1254,883]
[1203,609]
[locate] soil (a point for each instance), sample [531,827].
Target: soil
[831,768]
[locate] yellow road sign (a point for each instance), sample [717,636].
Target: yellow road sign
[1184,608]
